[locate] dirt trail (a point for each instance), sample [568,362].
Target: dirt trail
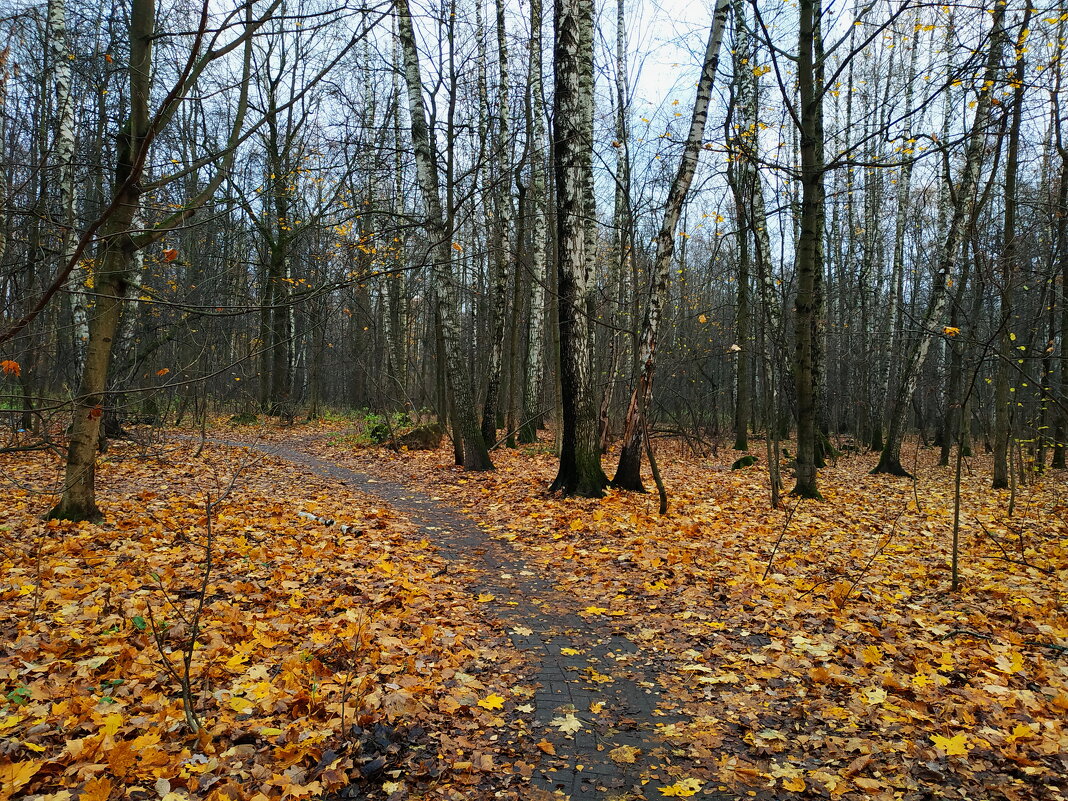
[576,662]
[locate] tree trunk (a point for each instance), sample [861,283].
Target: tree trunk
[532,394]
[949,254]
[504,253]
[806,307]
[115,259]
[1002,390]
[580,470]
[475,454]
[628,472]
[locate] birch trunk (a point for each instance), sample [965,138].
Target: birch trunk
[1002,390]
[949,255]
[475,454]
[532,393]
[57,37]
[112,277]
[580,470]
[628,472]
[504,254]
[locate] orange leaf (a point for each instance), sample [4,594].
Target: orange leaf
[163,372]
[96,790]
[170,254]
[10,367]
[96,413]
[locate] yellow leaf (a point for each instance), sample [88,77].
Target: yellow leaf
[547,748]
[570,651]
[796,784]
[596,707]
[14,775]
[241,706]
[493,701]
[871,655]
[702,319]
[874,695]
[950,331]
[624,755]
[1022,732]
[111,724]
[595,610]
[485,597]
[683,788]
[953,746]
[270,731]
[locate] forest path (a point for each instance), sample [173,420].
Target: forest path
[578,664]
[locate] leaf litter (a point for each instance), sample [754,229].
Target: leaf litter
[331,657]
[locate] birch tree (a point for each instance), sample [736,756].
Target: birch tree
[628,472]
[580,470]
[949,253]
[475,455]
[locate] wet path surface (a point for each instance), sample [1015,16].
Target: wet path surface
[578,661]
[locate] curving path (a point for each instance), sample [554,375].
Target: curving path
[600,664]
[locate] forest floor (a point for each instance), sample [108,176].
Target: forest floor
[381,625]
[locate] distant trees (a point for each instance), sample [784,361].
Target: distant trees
[286,208]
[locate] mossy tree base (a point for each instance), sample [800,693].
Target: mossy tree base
[628,473]
[891,465]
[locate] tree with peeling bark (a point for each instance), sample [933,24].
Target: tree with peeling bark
[475,455]
[536,197]
[628,472]
[120,239]
[580,471]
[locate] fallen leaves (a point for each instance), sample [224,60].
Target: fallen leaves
[624,754]
[567,724]
[492,702]
[852,631]
[320,649]
[683,788]
[956,745]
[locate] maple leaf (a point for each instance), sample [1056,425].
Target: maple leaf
[624,754]
[492,702]
[683,788]
[1023,731]
[950,331]
[796,784]
[546,747]
[96,790]
[871,655]
[10,367]
[568,724]
[953,746]
[14,775]
[874,695]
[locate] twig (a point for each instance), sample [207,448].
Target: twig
[775,549]
[1021,562]
[653,466]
